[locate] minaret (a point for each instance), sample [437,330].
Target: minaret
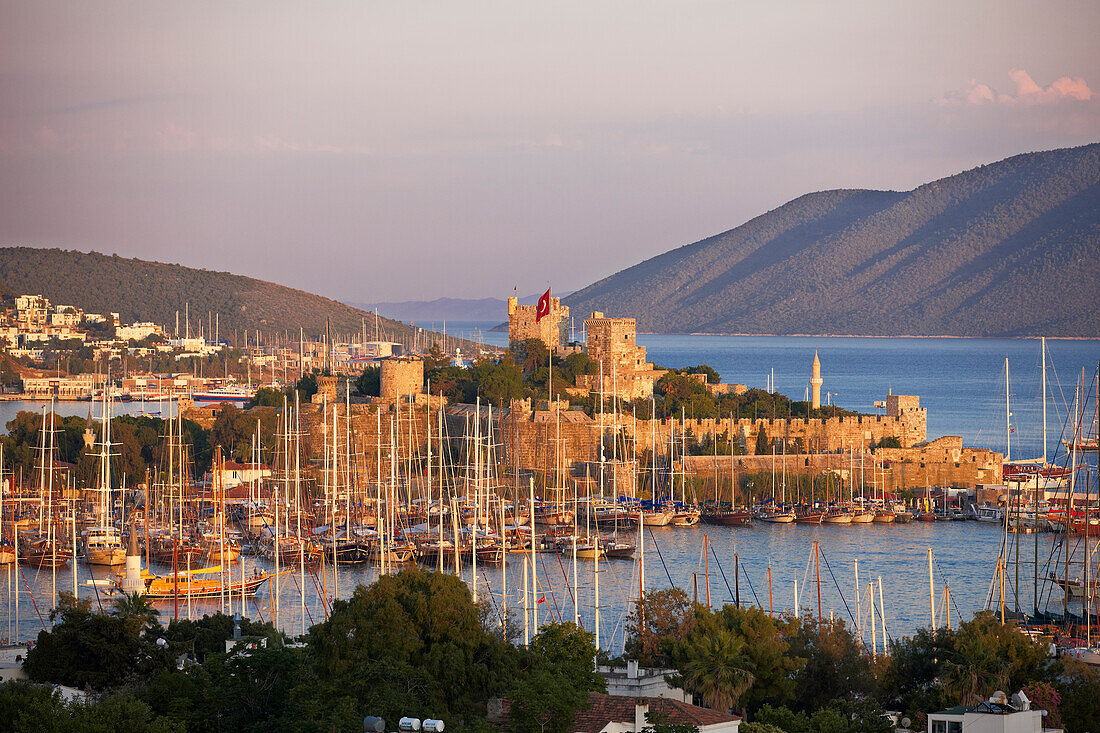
[815,382]
[132,582]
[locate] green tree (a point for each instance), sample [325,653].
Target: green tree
[759,646]
[712,376]
[412,635]
[306,388]
[986,655]
[91,650]
[762,443]
[369,383]
[1079,689]
[836,666]
[570,650]
[656,723]
[545,701]
[657,620]
[716,668]
[266,397]
[137,611]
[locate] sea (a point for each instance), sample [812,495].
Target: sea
[960,381]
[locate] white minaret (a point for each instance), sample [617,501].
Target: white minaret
[815,381]
[132,582]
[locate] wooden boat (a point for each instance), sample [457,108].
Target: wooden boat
[608,515]
[776,515]
[651,517]
[292,551]
[44,554]
[885,516]
[167,550]
[862,516]
[728,516]
[588,548]
[837,516]
[686,518]
[219,551]
[7,554]
[103,546]
[552,515]
[808,516]
[616,548]
[202,583]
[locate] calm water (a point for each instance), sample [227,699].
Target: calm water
[961,383]
[964,558]
[10,408]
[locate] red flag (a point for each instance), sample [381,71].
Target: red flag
[543,308]
[542,599]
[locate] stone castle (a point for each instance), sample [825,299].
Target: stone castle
[626,373]
[552,329]
[561,445]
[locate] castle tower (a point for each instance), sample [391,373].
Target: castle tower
[815,382]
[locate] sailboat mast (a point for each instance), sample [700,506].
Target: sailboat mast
[1043,341]
[1008,419]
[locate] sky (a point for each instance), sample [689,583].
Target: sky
[411,150]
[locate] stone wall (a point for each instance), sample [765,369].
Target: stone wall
[817,435]
[942,462]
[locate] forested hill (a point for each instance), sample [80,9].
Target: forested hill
[139,290]
[1007,249]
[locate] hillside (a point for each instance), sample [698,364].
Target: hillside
[1007,249]
[152,291]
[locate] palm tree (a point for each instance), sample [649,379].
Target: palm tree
[974,671]
[137,611]
[716,670]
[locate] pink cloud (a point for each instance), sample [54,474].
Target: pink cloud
[1027,91]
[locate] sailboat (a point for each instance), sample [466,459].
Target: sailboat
[103,543]
[775,513]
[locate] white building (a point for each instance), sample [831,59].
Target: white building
[995,715]
[137,331]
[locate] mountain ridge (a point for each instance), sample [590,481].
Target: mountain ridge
[949,257]
[144,290]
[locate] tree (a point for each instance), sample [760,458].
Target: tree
[545,702]
[91,650]
[266,397]
[1079,689]
[137,611]
[569,649]
[762,445]
[412,635]
[657,724]
[836,666]
[369,383]
[306,387]
[716,668]
[758,645]
[656,621]
[712,376]
[988,656]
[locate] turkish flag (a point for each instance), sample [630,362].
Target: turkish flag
[542,599]
[543,308]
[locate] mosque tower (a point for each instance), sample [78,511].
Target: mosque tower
[815,381]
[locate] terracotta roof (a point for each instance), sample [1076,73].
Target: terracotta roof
[604,709]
